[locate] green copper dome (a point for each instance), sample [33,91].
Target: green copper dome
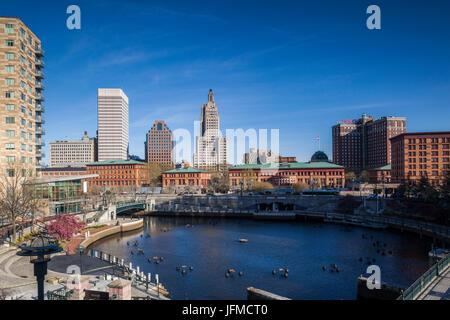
[319,156]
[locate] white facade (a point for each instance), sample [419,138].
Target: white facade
[112,124]
[260,156]
[75,153]
[210,147]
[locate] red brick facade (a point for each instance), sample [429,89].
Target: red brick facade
[120,173]
[422,154]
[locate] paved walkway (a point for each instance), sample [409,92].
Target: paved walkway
[439,289]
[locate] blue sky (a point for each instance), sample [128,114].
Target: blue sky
[297,66]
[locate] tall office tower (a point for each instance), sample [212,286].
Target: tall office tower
[20,98]
[112,124]
[74,153]
[211,148]
[364,143]
[159,144]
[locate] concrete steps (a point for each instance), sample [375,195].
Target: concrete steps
[10,262]
[6,260]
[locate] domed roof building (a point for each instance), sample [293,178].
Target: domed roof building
[319,156]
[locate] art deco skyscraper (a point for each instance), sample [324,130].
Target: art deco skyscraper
[211,148]
[112,124]
[20,97]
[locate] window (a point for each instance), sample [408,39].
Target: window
[23,147]
[10,159]
[22,33]
[10,133]
[9,68]
[22,59]
[9,81]
[23,84]
[9,55]
[10,146]
[10,107]
[23,122]
[10,120]
[22,109]
[22,72]
[23,159]
[10,173]
[30,124]
[9,94]
[9,43]
[23,134]
[9,28]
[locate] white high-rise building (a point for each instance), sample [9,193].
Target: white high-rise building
[211,148]
[112,124]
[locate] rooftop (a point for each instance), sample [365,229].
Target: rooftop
[62,179]
[114,162]
[421,134]
[185,170]
[386,167]
[291,165]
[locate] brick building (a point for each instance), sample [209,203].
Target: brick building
[420,154]
[118,173]
[63,171]
[159,144]
[380,174]
[187,176]
[318,172]
[364,143]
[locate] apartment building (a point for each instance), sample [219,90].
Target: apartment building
[21,98]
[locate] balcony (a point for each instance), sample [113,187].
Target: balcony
[40,131]
[40,86]
[39,52]
[40,74]
[39,63]
[40,154]
[39,120]
[40,97]
[39,108]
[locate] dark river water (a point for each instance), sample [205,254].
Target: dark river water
[211,247]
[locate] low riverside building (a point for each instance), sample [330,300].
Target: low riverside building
[420,154]
[380,175]
[118,173]
[185,178]
[60,195]
[318,172]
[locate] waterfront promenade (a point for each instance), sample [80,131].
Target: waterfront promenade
[439,288]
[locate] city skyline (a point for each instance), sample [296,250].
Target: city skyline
[389,73]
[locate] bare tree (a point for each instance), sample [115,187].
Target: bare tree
[17,200]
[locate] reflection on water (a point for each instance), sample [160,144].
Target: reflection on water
[211,247]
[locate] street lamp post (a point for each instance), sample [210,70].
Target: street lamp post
[39,251]
[80,250]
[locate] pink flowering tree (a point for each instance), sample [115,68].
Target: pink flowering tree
[64,226]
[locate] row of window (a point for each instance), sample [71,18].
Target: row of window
[12,159]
